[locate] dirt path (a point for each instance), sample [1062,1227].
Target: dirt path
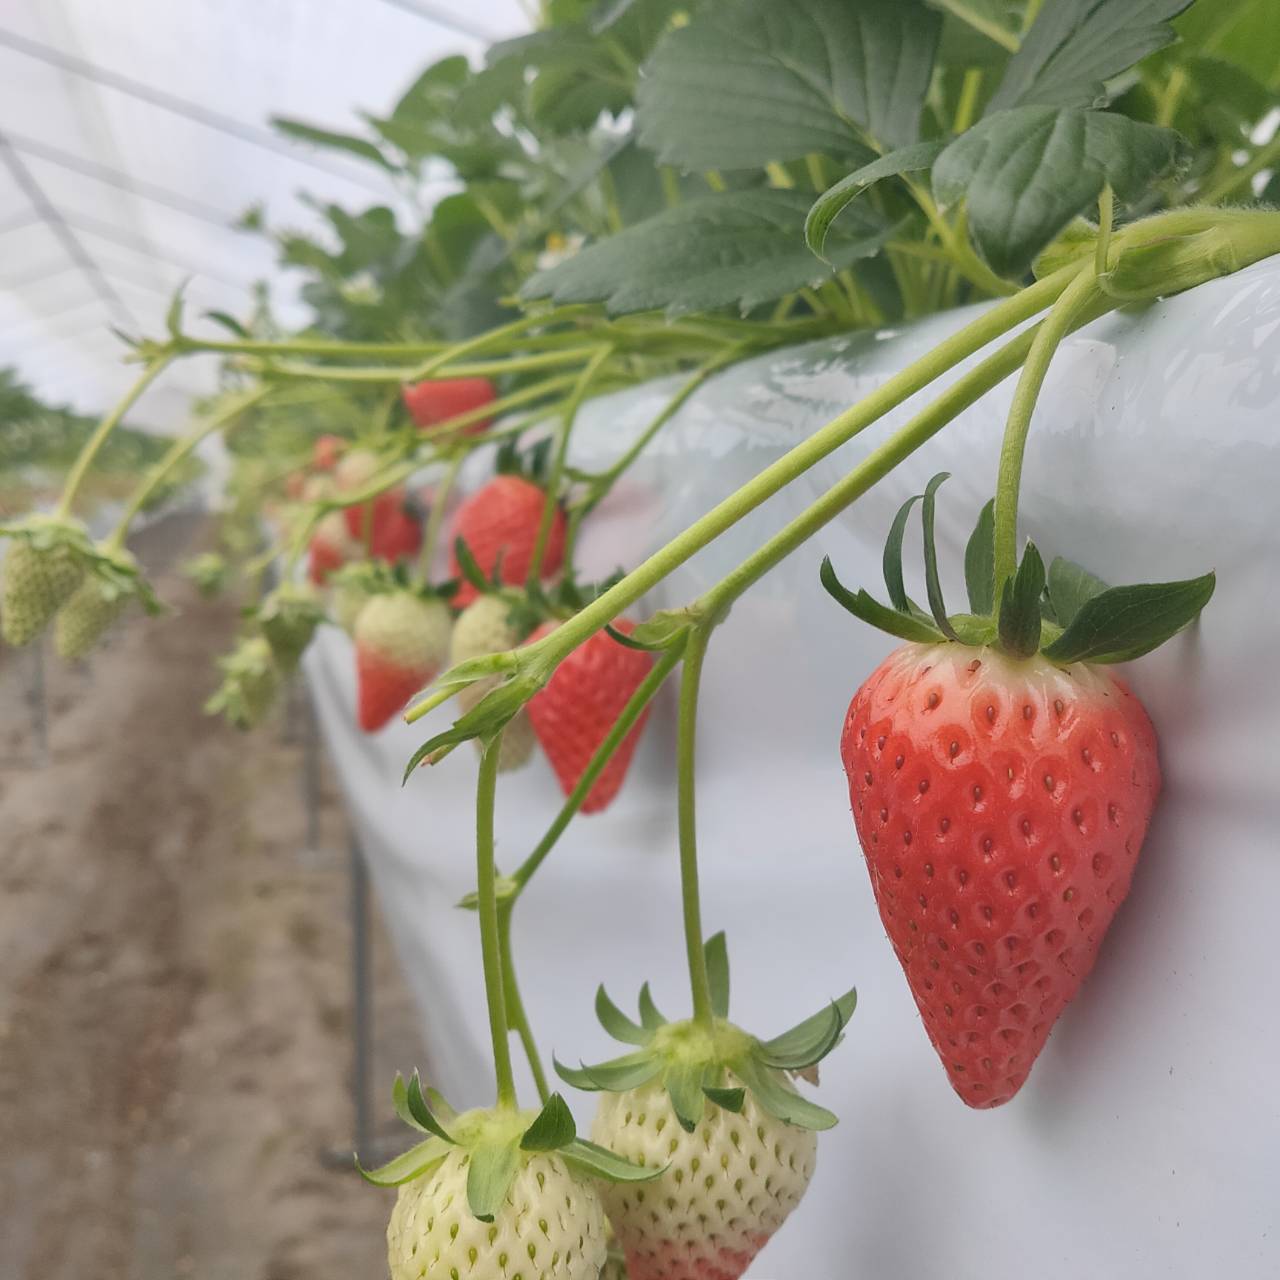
[174,992]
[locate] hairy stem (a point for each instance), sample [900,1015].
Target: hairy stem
[517,1015]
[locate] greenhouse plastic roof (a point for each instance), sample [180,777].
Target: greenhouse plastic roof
[134,134]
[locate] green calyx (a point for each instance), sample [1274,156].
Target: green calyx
[250,684]
[716,1064]
[288,618]
[1064,612]
[497,1142]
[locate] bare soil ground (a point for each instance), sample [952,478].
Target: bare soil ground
[174,993]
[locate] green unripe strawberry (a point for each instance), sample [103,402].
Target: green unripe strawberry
[288,618]
[85,618]
[250,683]
[37,582]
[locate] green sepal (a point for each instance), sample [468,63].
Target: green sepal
[493,712]
[1070,588]
[717,956]
[933,584]
[980,562]
[777,1099]
[471,571]
[596,1162]
[650,1017]
[683,1082]
[404,1168]
[489,1176]
[892,561]
[1020,619]
[400,1101]
[664,630]
[1123,623]
[726,1099]
[975,631]
[553,1129]
[808,1043]
[616,1076]
[617,1024]
[905,626]
[421,1112]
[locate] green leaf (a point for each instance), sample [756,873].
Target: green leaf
[332,141]
[905,626]
[489,1176]
[730,248]
[832,202]
[650,1018]
[772,1093]
[1025,173]
[1020,606]
[810,1041]
[1125,622]
[617,1024]
[727,1099]
[980,561]
[933,584]
[1074,46]
[1070,587]
[683,1081]
[422,1113]
[892,561]
[747,82]
[404,1168]
[717,953]
[554,1128]
[597,1162]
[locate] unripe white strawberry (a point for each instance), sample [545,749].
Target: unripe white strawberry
[37,582]
[727,1189]
[484,627]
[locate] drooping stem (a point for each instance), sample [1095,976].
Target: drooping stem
[80,468]
[517,1015]
[490,932]
[174,455]
[393,374]
[493,338]
[686,819]
[1052,330]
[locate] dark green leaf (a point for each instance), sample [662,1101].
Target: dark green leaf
[554,1128]
[903,625]
[1020,606]
[489,1175]
[717,952]
[1070,587]
[832,202]
[650,1018]
[980,562]
[596,1162]
[617,1024]
[892,561]
[747,82]
[1074,46]
[933,584]
[1025,173]
[1125,622]
[778,1098]
[809,1042]
[683,1081]
[404,1168]
[332,141]
[731,248]
[727,1099]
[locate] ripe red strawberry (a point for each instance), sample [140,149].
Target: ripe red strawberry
[402,640]
[573,713]
[437,400]
[397,535]
[1001,804]
[326,451]
[367,521]
[500,522]
[1001,787]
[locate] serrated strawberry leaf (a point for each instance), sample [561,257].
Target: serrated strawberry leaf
[553,1129]
[980,562]
[892,561]
[809,1042]
[779,1100]
[489,1175]
[650,1018]
[597,1162]
[1123,623]
[903,625]
[404,1168]
[726,1099]
[1020,618]
[833,202]
[731,248]
[717,956]
[617,1024]
[933,584]
[746,82]
[1070,588]
[683,1082]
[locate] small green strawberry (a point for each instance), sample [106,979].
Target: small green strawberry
[288,618]
[250,684]
[111,582]
[208,571]
[42,568]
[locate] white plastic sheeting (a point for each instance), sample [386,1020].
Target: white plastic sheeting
[132,135]
[1146,1141]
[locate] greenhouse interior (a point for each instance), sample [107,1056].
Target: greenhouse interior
[633,639]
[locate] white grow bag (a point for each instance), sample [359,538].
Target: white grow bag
[1147,1140]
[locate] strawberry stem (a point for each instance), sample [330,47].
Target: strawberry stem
[490,930]
[517,1015]
[687,826]
[435,518]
